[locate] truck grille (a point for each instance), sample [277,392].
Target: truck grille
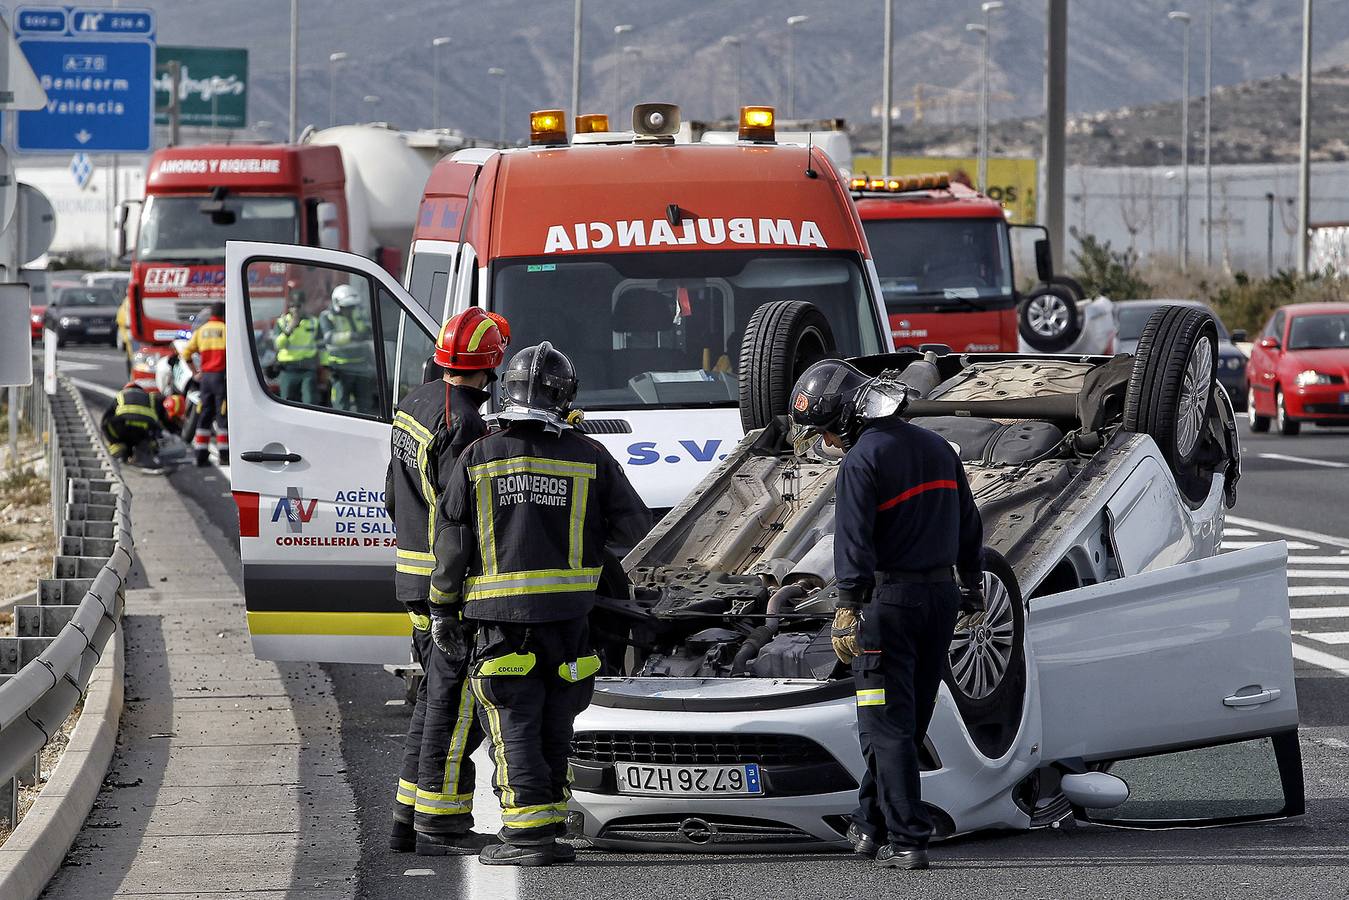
[692,748]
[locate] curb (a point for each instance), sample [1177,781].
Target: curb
[37,847]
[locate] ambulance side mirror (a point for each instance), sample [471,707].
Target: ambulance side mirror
[1044,260]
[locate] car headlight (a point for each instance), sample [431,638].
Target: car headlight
[35,319]
[70,320]
[1233,362]
[1311,376]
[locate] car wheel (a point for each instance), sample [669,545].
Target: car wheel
[60,339]
[189,429]
[1048,318]
[1071,284]
[1259,424]
[1170,394]
[1287,426]
[782,340]
[986,663]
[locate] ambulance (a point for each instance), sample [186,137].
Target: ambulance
[650,264]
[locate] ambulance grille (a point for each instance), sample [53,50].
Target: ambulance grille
[606,426]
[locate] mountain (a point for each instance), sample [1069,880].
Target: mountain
[1122,53]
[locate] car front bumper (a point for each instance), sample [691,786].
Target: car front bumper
[1320,403]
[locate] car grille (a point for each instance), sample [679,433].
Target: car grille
[692,748]
[1326,409]
[721,832]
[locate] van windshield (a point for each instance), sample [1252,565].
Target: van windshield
[174,229]
[662,330]
[941,263]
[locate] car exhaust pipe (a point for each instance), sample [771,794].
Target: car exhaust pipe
[1094,790]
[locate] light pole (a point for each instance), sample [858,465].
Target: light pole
[294,69]
[576,58]
[1304,170]
[984,30]
[436,44]
[333,59]
[792,22]
[1056,119]
[732,41]
[619,31]
[1184,20]
[887,85]
[370,100]
[500,76]
[1208,139]
[636,54]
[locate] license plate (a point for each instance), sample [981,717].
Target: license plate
[99,329]
[689,781]
[1344,399]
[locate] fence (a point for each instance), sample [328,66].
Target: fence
[58,638]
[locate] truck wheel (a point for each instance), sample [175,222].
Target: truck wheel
[1048,318]
[1170,394]
[986,664]
[782,340]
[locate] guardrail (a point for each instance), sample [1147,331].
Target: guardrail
[45,667]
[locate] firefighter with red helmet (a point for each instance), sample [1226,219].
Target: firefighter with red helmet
[431,427]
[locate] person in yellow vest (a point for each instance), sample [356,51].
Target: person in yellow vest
[134,419]
[296,338]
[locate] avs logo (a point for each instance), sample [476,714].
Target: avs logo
[296,510]
[645,453]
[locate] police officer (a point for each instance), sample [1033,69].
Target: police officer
[519,548]
[208,344]
[431,427]
[905,528]
[296,338]
[134,418]
[349,351]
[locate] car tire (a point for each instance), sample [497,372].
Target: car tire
[782,339]
[1171,395]
[1258,424]
[1288,426]
[60,340]
[1071,284]
[1048,318]
[994,647]
[189,429]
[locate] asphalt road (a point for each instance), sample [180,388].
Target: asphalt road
[1294,489]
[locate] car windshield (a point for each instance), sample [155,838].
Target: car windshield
[941,262]
[1319,331]
[86,297]
[175,229]
[664,329]
[1133,316]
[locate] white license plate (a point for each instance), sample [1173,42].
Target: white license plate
[99,329]
[689,781]
[1344,399]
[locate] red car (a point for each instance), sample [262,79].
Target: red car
[1299,368]
[35,321]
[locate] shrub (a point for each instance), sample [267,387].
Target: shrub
[1105,272]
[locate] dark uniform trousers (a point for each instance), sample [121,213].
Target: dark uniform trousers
[904,637]
[531,681]
[211,413]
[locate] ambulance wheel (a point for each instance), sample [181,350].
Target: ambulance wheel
[1048,318]
[986,664]
[782,340]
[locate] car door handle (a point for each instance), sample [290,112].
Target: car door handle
[259,456]
[1240,700]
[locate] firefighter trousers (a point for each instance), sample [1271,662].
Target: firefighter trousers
[435,786]
[124,437]
[905,636]
[211,411]
[531,681]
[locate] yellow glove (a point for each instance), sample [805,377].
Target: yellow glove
[844,634]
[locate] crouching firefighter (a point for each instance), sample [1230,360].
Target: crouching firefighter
[431,427]
[519,547]
[905,528]
[134,419]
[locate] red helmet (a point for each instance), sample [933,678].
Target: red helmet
[470,341]
[503,325]
[175,405]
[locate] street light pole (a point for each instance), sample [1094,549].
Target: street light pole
[1304,169]
[730,41]
[887,86]
[1184,20]
[619,31]
[294,69]
[333,59]
[576,57]
[792,22]
[989,8]
[500,76]
[1056,116]
[1208,139]
[636,54]
[436,44]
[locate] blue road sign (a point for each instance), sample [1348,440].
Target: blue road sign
[97,67]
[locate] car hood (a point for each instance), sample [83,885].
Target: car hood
[84,311]
[1332,360]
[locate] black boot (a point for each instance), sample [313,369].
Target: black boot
[403,839]
[203,458]
[224,456]
[893,857]
[863,844]
[453,844]
[513,855]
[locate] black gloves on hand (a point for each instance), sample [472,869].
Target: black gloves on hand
[448,634]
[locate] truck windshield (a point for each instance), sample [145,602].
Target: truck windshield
[941,263]
[175,229]
[662,330]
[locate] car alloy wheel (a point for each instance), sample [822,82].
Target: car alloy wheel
[983,645]
[1047,315]
[1194,396]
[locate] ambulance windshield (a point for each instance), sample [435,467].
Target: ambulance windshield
[175,228]
[664,329]
[940,263]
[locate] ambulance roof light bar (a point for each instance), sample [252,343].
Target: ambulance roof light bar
[757,124]
[547,127]
[903,184]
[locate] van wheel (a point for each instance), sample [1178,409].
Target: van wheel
[1170,394]
[986,664]
[782,340]
[1259,424]
[1048,318]
[1287,427]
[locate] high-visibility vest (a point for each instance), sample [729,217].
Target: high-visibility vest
[346,341]
[301,344]
[208,342]
[133,406]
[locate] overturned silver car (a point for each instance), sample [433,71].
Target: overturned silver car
[1118,648]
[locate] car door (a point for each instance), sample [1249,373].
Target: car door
[1156,667]
[1263,363]
[311,448]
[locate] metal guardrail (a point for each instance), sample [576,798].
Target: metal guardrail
[45,667]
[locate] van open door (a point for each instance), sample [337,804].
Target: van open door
[321,346]
[1180,682]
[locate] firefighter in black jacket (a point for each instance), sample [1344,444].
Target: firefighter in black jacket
[905,528]
[431,428]
[135,417]
[519,547]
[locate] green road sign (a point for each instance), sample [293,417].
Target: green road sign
[213,86]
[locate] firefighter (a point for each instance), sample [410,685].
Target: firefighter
[431,427]
[208,343]
[905,529]
[349,351]
[295,336]
[134,418]
[519,548]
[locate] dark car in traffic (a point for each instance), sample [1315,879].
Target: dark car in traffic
[1132,315]
[85,314]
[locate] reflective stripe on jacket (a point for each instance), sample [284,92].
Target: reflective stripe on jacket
[208,342]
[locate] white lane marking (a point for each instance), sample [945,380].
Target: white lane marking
[1318,573]
[1319,612]
[1244,545]
[1322,659]
[395,703]
[1334,743]
[1342,559]
[1327,463]
[1325,637]
[104,358]
[420,872]
[476,881]
[96,388]
[64,366]
[1238,532]
[1291,532]
[1318,590]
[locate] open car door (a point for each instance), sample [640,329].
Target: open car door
[310,412]
[1180,682]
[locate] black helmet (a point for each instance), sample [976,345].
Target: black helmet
[540,378]
[822,395]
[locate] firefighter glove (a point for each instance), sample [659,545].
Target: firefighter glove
[844,633]
[448,635]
